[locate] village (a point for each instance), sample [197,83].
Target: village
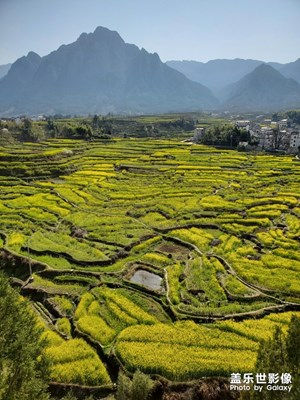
[273,135]
[257,133]
[266,135]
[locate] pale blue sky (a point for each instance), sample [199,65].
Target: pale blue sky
[201,30]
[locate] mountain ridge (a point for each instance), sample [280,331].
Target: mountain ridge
[219,73]
[291,70]
[264,89]
[99,73]
[4,69]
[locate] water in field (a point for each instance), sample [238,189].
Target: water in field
[147,279]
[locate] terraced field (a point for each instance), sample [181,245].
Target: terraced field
[213,236]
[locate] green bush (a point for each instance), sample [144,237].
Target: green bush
[138,389]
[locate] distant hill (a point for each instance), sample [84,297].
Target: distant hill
[4,69]
[215,74]
[13,84]
[99,73]
[291,70]
[263,89]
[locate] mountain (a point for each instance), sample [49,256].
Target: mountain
[15,81]
[219,74]
[263,89]
[4,69]
[291,70]
[215,74]
[99,73]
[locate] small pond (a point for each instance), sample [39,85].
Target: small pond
[148,279]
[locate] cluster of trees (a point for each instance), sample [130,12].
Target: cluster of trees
[97,127]
[90,128]
[23,369]
[139,388]
[225,135]
[293,116]
[184,124]
[24,131]
[28,131]
[86,129]
[74,131]
[154,128]
[102,125]
[280,355]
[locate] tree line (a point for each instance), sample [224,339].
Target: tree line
[90,128]
[225,135]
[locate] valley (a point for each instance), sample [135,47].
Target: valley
[173,258]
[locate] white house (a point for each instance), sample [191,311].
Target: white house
[266,137]
[243,124]
[283,123]
[198,133]
[295,142]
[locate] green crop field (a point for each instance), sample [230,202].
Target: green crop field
[172,258]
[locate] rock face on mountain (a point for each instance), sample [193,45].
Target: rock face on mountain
[99,73]
[13,84]
[4,70]
[263,89]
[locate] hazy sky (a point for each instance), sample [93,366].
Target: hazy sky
[201,30]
